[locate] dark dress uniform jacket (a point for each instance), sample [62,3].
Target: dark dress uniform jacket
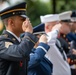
[13,53]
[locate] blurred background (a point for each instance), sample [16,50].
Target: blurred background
[36,8]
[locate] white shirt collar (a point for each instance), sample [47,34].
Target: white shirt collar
[18,38]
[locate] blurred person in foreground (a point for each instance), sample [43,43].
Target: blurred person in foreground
[38,63]
[55,54]
[13,50]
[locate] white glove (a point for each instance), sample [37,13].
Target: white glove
[51,36]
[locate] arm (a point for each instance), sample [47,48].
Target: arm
[17,52]
[71,36]
[37,56]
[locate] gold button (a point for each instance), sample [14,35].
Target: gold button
[68,47]
[69,43]
[64,35]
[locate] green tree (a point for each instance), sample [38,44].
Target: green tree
[35,8]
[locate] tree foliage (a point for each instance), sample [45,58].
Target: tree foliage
[36,8]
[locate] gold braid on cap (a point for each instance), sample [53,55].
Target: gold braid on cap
[12,11]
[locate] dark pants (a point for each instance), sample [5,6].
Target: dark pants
[73,71]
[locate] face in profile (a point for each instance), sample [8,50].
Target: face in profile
[73,26]
[65,28]
[49,25]
[18,21]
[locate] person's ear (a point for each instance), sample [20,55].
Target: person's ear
[47,27]
[11,22]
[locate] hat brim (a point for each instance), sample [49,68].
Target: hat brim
[24,16]
[66,20]
[42,32]
[73,19]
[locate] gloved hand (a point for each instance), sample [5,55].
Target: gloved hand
[51,36]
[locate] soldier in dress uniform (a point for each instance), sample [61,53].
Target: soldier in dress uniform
[72,35]
[72,54]
[67,22]
[13,50]
[55,54]
[67,28]
[38,63]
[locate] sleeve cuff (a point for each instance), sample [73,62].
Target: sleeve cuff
[44,47]
[31,37]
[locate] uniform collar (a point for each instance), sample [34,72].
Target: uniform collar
[18,38]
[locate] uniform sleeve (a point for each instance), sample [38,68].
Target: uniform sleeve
[10,51]
[71,36]
[38,55]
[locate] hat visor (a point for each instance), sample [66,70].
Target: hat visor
[66,20]
[24,16]
[42,32]
[73,19]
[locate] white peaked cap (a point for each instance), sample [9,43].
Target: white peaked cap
[49,18]
[65,15]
